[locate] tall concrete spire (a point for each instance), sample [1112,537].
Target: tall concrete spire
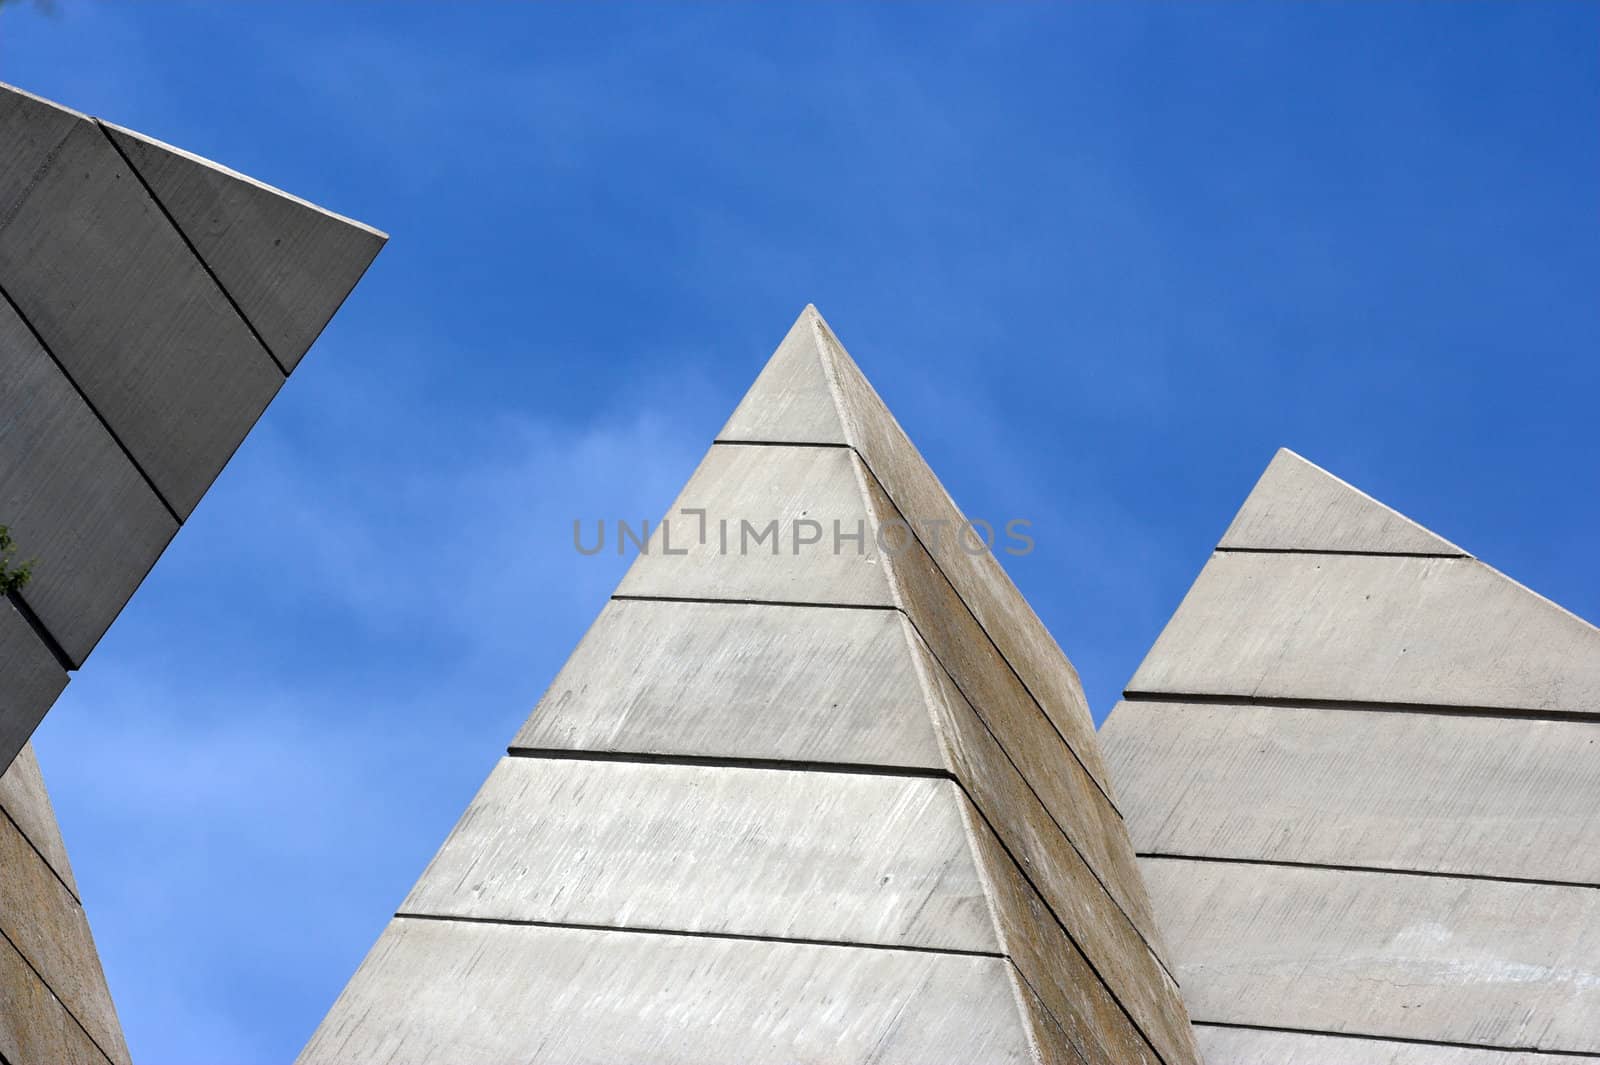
[1362,771]
[829,796]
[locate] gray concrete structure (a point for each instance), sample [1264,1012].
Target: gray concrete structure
[1362,771]
[151,304]
[796,802]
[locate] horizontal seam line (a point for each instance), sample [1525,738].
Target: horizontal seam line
[1353,554]
[780,443]
[1367,869]
[1358,705]
[682,933]
[59,1000]
[1396,1039]
[751,602]
[727,762]
[35,848]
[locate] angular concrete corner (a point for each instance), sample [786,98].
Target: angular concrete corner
[831,795]
[1361,770]
[150,306]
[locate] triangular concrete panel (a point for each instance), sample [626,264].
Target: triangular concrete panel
[287,263]
[1298,506]
[802,756]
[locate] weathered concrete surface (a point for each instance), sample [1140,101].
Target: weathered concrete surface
[1395,955]
[117,297]
[35,1028]
[837,857]
[1491,796]
[32,680]
[44,922]
[1297,506]
[763,485]
[70,496]
[1243,1046]
[1448,632]
[504,993]
[740,680]
[24,799]
[812,391]
[287,263]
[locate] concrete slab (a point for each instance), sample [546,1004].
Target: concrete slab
[836,857]
[792,400]
[1298,506]
[447,991]
[1245,1046]
[1373,629]
[24,799]
[1489,796]
[740,680]
[33,680]
[287,263]
[117,297]
[1393,955]
[71,497]
[752,488]
[45,924]
[35,1029]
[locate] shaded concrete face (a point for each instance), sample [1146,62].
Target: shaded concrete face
[767,772]
[1361,769]
[138,288]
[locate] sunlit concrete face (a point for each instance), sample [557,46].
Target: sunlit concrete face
[1361,769]
[834,802]
[151,305]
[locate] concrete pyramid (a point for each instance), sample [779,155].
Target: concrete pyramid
[831,796]
[1361,769]
[55,1008]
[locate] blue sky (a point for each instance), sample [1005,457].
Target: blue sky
[1101,261]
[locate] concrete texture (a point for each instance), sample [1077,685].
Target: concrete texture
[1387,954]
[1373,629]
[818,748]
[740,680]
[288,264]
[90,261]
[71,498]
[43,921]
[1243,1046]
[35,1028]
[25,801]
[774,853]
[1491,796]
[505,993]
[1297,506]
[30,680]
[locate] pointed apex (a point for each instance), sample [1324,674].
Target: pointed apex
[792,401]
[1298,506]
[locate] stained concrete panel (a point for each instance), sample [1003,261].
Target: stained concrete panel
[1297,506]
[32,131]
[837,857]
[33,680]
[1395,955]
[740,680]
[503,993]
[1245,1046]
[117,297]
[71,498]
[1373,629]
[1491,796]
[35,1028]
[288,264]
[44,922]
[24,799]
[791,400]
[764,486]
